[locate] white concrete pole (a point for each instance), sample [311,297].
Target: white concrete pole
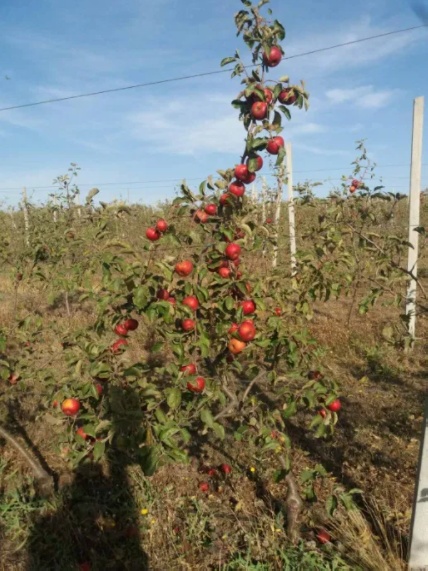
[291,214]
[414,211]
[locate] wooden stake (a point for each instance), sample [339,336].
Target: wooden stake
[291,216]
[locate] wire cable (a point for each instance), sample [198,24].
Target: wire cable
[204,74]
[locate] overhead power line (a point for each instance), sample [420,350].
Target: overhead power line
[199,179]
[204,74]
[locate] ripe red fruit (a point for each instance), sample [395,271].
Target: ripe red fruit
[267,93]
[189,369]
[322,412]
[241,172]
[184,268]
[274,145]
[259,110]
[248,306]
[335,406]
[236,346]
[197,386]
[55,403]
[161,225]
[323,536]
[226,469]
[237,188]
[288,96]
[352,189]
[162,294]
[233,251]
[356,183]
[171,300]
[212,472]
[225,273]
[247,331]
[81,433]
[121,329]
[272,57]
[191,301]
[200,216]
[224,198]
[233,328]
[211,209]
[204,486]
[278,311]
[269,220]
[99,388]
[70,407]
[188,324]
[131,324]
[250,178]
[13,378]
[152,234]
[115,348]
[259,162]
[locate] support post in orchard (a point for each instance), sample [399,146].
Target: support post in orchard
[418,559]
[414,210]
[277,213]
[26,217]
[291,213]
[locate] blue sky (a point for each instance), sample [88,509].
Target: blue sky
[188,129]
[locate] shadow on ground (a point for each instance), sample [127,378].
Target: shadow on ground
[96,527]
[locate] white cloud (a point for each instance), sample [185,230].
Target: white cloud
[204,124]
[365,97]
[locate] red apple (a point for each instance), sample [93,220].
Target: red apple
[224,273]
[233,328]
[152,234]
[171,300]
[200,216]
[274,145]
[197,386]
[99,389]
[189,369]
[272,57]
[241,172]
[70,407]
[211,209]
[335,406]
[225,199]
[236,346]
[268,95]
[323,536]
[259,110]
[356,183]
[115,348]
[121,329]
[191,301]
[247,330]
[184,268]
[288,96]
[232,251]
[162,294]
[278,311]
[259,162]
[248,306]
[315,375]
[269,220]
[237,188]
[161,225]
[204,486]
[226,469]
[188,324]
[81,433]
[13,378]
[131,324]
[352,189]
[212,472]
[322,412]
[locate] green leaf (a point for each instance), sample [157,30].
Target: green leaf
[207,417]
[331,505]
[173,398]
[218,430]
[227,60]
[99,450]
